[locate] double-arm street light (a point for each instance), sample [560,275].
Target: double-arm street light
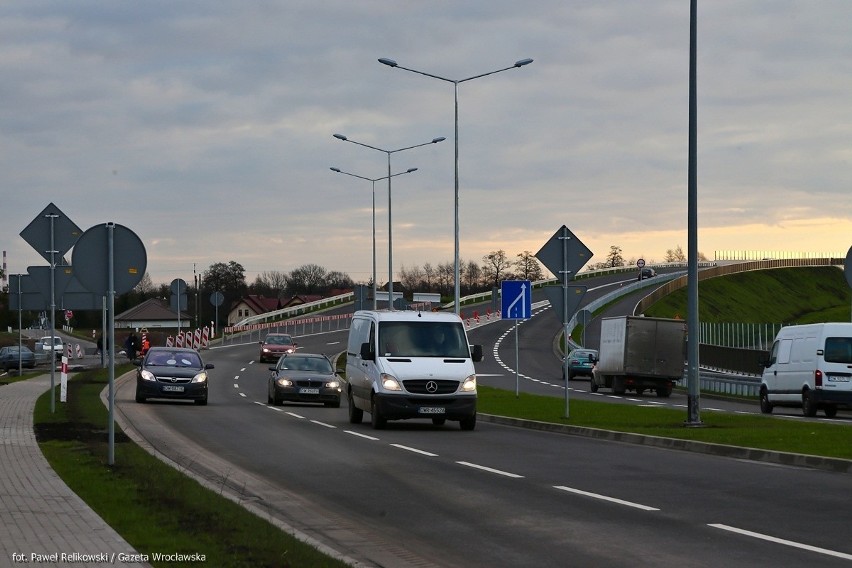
[455,82]
[374,180]
[389,176]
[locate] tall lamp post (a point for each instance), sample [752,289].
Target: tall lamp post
[389,176]
[408,171]
[455,82]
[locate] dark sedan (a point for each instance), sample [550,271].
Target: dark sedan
[12,355]
[173,373]
[304,377]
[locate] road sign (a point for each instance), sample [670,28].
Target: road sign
[640,263]
[216,298]
[847,267]
[65,233]
[564,254]
[557,297]
[91,259]
[515,299]
[68,315]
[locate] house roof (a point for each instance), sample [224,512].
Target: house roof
[260,304]
[150,310]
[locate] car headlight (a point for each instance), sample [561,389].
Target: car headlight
[333,384]
[469,384]
[147,376]
[200,377]
[284,382]
[390,383]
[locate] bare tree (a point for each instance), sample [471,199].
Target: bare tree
[306,279]
[528,267]
[675,255]
[473,275]
[495,265]
[446,277]
[614,257]
[429,274]
[411,278]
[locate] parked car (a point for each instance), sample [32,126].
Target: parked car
[52,344]
[646,272]
[580,362]
[304,377]
[173,373]
[275,345]
[12,356]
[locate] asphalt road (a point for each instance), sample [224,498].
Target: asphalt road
[422,495]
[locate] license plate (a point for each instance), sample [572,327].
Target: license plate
[431,410]
[308,391]
[838,379]
[172,388]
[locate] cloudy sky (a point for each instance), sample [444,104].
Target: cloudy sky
[206,127]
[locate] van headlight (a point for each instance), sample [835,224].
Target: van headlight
[469,384]
[390,383]
[200,377]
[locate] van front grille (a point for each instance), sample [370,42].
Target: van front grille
[421,386]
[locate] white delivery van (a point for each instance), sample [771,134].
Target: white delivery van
[410,364]
[809,366]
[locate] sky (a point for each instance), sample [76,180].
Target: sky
[206,128]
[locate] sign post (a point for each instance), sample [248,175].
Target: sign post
[563,255]
[516,304]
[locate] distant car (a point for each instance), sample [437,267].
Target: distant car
[580,363]
[304,377]
[275,345]
[11,356]
[174,373]
[646,272]
[52,344]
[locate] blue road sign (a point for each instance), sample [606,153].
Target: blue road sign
[516,299]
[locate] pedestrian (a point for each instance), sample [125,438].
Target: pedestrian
[131,345]
[100,344]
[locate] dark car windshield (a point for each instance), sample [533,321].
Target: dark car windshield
[173,359]
[313,364]
[279,340]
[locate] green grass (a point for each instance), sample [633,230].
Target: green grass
[153,506]
[757,431]
[782,295]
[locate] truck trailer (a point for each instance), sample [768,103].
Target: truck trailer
[640,353]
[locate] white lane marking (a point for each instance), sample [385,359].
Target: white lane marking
[242,394]
[323,424]
[333,343]
[782,541]
[490,470]
[236,386]
[294,415]
[415,450]
[605,498]
[236,377]
[360,435]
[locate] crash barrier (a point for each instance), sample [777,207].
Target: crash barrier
[198,339]
[298,326]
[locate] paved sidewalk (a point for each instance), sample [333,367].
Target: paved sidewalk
[44,522]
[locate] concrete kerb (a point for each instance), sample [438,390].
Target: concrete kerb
[736,452]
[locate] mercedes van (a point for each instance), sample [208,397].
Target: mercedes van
[410,364]
[809,366]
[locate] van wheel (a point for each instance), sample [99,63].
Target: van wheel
[830,411]
[468,423]
[356,415]
[664,392]
[378,421]
[593,386]
[618,387]
[765,406]
[809,406]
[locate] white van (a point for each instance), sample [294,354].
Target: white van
[809,366]
[409,364]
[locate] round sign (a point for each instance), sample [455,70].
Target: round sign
[640,263]
[216,298]
[178,286]
[90,259]
[68,315]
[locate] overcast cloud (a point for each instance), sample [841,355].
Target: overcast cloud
[206,127]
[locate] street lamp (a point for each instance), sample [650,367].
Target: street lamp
[389,176]
[455,82]
[408,171]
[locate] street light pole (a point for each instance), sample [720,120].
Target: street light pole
[455,82]
[374,180]
[389,176]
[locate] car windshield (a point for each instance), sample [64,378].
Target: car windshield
[423,339]
[838,350]
[173,359]
[279,340]
[313,364]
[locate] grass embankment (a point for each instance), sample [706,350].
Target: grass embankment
[755,431]
[153,506]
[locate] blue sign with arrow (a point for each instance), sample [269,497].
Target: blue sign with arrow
[515,299]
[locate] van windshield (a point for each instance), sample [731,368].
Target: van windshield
[838,350]
[422,339]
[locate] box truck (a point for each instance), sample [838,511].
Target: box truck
[639,354]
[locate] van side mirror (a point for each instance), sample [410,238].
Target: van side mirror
[366,353]
[476,353]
